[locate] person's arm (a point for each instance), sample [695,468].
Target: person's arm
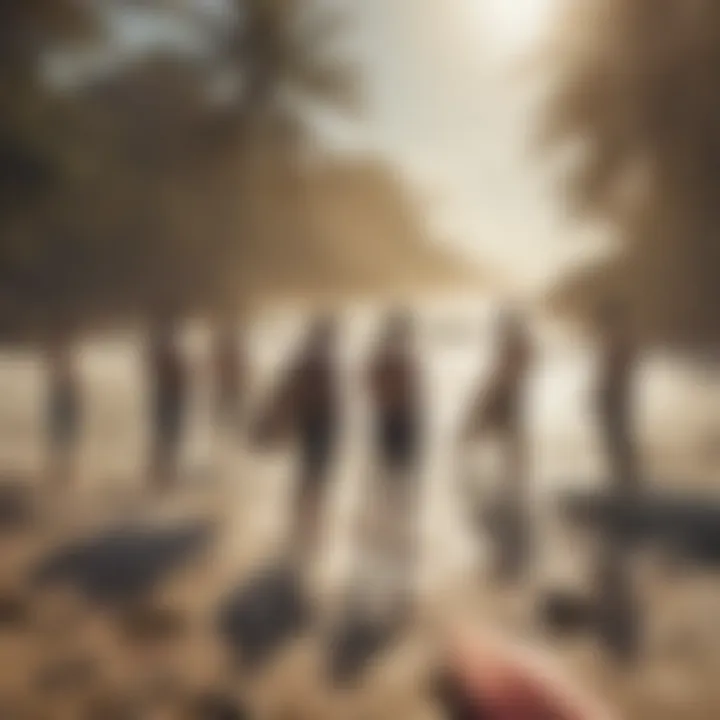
[485,678]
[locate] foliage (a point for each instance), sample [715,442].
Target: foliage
[637,92]
[126,194]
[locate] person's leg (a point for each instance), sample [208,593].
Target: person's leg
[514,539]
[403,508]
[620,627]
[307,521]
[386,558]
[620,447]
[160,465]
[407,508]
[165,448]
[309,496]
[62,446]
[60,462]
[628,471]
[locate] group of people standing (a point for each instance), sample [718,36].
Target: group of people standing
[307,409]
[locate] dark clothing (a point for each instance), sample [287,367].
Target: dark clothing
[64,412]
[307,410]
[313,393]
[394,384]
[310,403]
[228,381]
[316,435]
[168,420]
[397,439]
[395,389]
[169,396]
[501,408]
[500,414]
[614,409]
[615,384]
[620,448]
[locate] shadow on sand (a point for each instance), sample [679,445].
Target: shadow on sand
[125,564]
[260,617]
[358,641]
[686,526]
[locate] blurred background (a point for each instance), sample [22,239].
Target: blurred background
[185,185]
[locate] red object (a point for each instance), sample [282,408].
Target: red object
[500,683]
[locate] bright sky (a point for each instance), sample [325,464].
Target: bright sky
[446,100]
[514,24]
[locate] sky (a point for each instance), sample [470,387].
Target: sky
[448,101]
[445,102]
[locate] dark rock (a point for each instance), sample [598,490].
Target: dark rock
[126,564]
[357,641]
[261,616]
[683,525]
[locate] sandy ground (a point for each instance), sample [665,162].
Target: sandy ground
[246,496]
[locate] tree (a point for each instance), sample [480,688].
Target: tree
[277,55]
[637,90]
[189,157]
[144,174]
[33,157]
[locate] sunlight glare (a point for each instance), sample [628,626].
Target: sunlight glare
[514,24]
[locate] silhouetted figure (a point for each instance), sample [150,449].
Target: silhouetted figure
[618,361]
[307,410]
[63,410]
[169,387]
[613,401]
[229,377]
[394,387]
[499,415]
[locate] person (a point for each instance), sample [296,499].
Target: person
[169,399]
[229,377]
[499,414]
[394,388]
[306,409]
[613,395]
[64,408]
[619,613]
